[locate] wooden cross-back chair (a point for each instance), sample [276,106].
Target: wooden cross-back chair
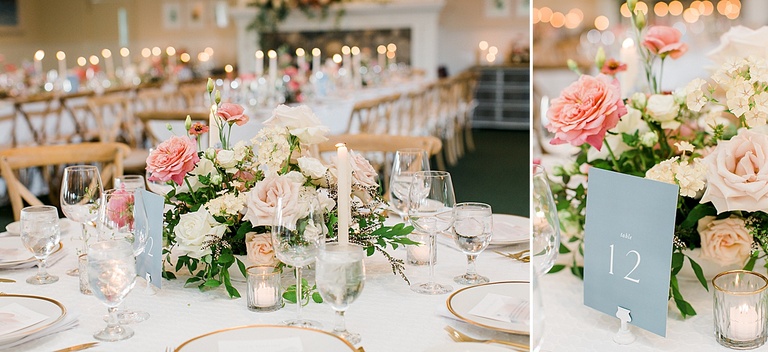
[152,99]
[114,119]
[76,107]
[194,95]
[42,114]
[109,156]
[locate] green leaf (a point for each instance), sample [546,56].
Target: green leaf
[226,258]
[556,268]
[564,249]
[578,271]
[699,273]
[317,298]
[241,266]
[290,296]
[212,283]
[232,291]
[169,275]
[751,262]
[699,211]
[677,262]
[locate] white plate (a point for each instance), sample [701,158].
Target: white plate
[510,229]
[311,339]
[462,301]
[43,305]
[13,252]
[467,347]
[14,228]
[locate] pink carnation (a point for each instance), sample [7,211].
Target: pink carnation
[172,160]
[232,113]
[663,41]
[585,111]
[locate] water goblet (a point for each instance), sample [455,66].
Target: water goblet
[431,200]
[472,231]
[80,197]
[546,226]
[340,277]
[298,232]
[40,235]
[129,182]
[112,274]
[406,162]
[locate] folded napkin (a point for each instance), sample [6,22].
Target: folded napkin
[70,321]
[52,259]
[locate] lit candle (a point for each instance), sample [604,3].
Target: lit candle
[171,52]
[62,64]
[745,323]
[108,64]
[482,48]
[272,68]
[344,184]
[391,50]
[382,50]
[266,296]
[213,128]
[356,64]
[418,254]
[39,55]
[346,63]
[315,61]
[259,63]
[301,61]
[628,55]
[124,52]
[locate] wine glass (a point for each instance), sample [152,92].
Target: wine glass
[407,162]
[81,190]
[340,277]
[112,274]
[430,210]
[297,235]
[546,226]
[472,230]
[119,219]
[40,235]
[130,182]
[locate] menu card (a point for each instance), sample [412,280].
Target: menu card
[502,308]
[14,317]
[628,246]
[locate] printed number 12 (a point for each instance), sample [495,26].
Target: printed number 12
[637,263]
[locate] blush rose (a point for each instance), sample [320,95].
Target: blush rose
[724,241]
[172,160]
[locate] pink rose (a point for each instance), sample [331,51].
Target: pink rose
[363,173]
[172,160]
[259,248]
[663,41]
[585,111]
[120,207]
[725,241]
[737,173]
[261,200]
[232,113]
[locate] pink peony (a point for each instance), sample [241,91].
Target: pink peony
[737,173]
[172,160]
[259,248]
[232,113]
[663,41]
[585,111]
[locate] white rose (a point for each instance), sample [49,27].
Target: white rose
[725,241]
[664,109]
[296,176]
[312,167]
[203,168]
[300,121]
[740,41]
[226,158]
[193,229]
[261,200]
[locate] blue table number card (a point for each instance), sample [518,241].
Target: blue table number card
[151,260]
[628,246]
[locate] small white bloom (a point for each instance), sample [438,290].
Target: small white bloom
[684,146]
[664,109]
[649,139]
[226,158]
[204,167]
[210,153]
[638,101]
[691,178]
[312,167]
[216,179]
[241,150]
[663,171]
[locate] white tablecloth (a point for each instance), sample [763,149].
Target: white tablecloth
[388,315]
[572,326]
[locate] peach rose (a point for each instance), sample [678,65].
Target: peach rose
[737,172]
[172,160]
[663,41]
[725,241]
[585,111]
[261,200]
[259,247]
[232,113]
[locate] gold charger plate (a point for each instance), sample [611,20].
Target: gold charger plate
[462,301]
[312,340]
[44,305]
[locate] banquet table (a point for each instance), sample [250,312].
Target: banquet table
[571,326]
[388,315]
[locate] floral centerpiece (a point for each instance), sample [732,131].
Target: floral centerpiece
[223,198]
[273,12]
[709,138]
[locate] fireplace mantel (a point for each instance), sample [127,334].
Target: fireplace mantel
[421,16]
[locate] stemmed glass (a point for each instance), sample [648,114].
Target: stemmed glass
[430,210]
[112,274]
[340,277]
[130,182]
[546,226]
[472,230]
[81,190]
[119,219]
[297,234]
[406,162]
[40,235]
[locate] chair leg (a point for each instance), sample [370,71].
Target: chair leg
[468,138]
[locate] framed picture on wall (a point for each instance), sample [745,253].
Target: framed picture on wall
[498,8]
[196,14]
[171,15]
[9,17]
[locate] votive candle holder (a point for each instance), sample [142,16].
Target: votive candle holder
[419,254]
[740,308]
[264,293]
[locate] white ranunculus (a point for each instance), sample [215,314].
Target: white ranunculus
[204,167]
[226,158]
[193,230]
[741,41]
[664,109]
[300,121]
[630,123]
[312,167]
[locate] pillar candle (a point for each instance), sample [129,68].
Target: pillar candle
[301,61]
[272,68]
[39,55]
[346,63]
[344,184]
[62,64]
[265,295]
[382,50]
[259,63]
[315,61]
[213,128]
[108,63]
[124,52]
[356,65]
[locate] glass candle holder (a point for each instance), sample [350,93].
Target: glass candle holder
[82,268]
[419,254]
[740,309]
[264,293]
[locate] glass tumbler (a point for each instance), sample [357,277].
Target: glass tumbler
[740,309]
[264,294]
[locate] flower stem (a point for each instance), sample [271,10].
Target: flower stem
[191,192]
[613,157]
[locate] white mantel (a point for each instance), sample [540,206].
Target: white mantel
[421,16]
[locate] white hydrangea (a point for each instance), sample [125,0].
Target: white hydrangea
[226,205]
[690,177]
[663,171]
[695,98]
[272,148]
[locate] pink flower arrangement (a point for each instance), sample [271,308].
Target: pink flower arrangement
[172,160]
[585,111]
[232,113]
[663,41]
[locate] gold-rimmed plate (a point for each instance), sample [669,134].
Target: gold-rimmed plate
[51,308]
[461,302]
[13,252]
[311,340]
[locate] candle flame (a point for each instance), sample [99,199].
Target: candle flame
[259,54]
[39,55]
[316,52]
[60,55]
